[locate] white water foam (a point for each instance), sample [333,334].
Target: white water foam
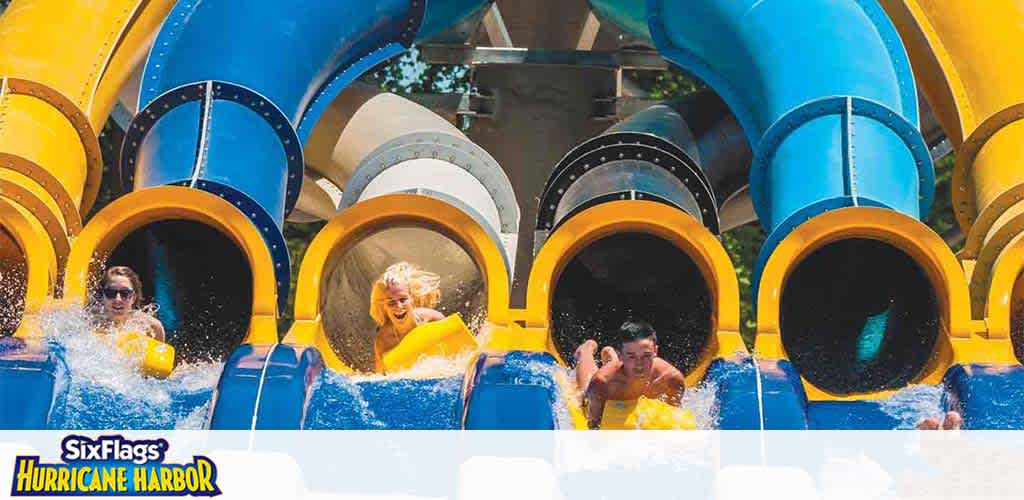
[95,366]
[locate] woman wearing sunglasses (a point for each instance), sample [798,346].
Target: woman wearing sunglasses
[120,303]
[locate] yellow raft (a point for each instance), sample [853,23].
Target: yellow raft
[445,338]
[646,414]
[155,358]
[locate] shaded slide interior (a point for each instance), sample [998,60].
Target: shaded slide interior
[1017,317]
[638,276]
[859,315]
[349,278]
[12,283]
[200,282]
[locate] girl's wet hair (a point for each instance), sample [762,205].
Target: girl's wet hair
[126,272]
[424,287]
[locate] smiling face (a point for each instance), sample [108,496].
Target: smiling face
[638,358]
[118,298]
[398,302]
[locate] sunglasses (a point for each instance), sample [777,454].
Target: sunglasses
[111,293]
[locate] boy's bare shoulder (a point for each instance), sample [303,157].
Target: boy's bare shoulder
[664,370]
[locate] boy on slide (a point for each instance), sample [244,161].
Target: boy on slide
[402,299]
[630,370]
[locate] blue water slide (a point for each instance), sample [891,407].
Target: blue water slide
[987,396]
[232,89]
[822,88]
[513,391]
[265,387]
[284,387]
[34,375]
[738,405]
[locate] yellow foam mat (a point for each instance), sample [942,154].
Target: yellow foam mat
[156,359]
[445,338]
[645,414]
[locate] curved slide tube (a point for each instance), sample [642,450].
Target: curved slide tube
[688,154]
[958,59]
[390,154]
[62,65]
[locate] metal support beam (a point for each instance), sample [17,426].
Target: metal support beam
[613,109]
[589,33]
[470,56]
[497,32]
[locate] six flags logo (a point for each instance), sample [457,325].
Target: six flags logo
[113,466]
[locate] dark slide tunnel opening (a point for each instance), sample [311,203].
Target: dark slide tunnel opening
[1017,317]
[13,283]
[200,282]
[859,315]
[633,276]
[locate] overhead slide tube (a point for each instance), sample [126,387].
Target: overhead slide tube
[670,153]
[689,154]
[848,132]
[824,89]
[60,62]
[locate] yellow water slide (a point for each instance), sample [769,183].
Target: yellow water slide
[62,63]
[967,61]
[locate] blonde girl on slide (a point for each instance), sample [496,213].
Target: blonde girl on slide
[403,298]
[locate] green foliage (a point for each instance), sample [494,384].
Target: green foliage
[743,245]
[670,84]
[409,73]
[941,218]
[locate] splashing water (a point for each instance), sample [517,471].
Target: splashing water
[376,402]
[913,404]
[104,390]
[701,401]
